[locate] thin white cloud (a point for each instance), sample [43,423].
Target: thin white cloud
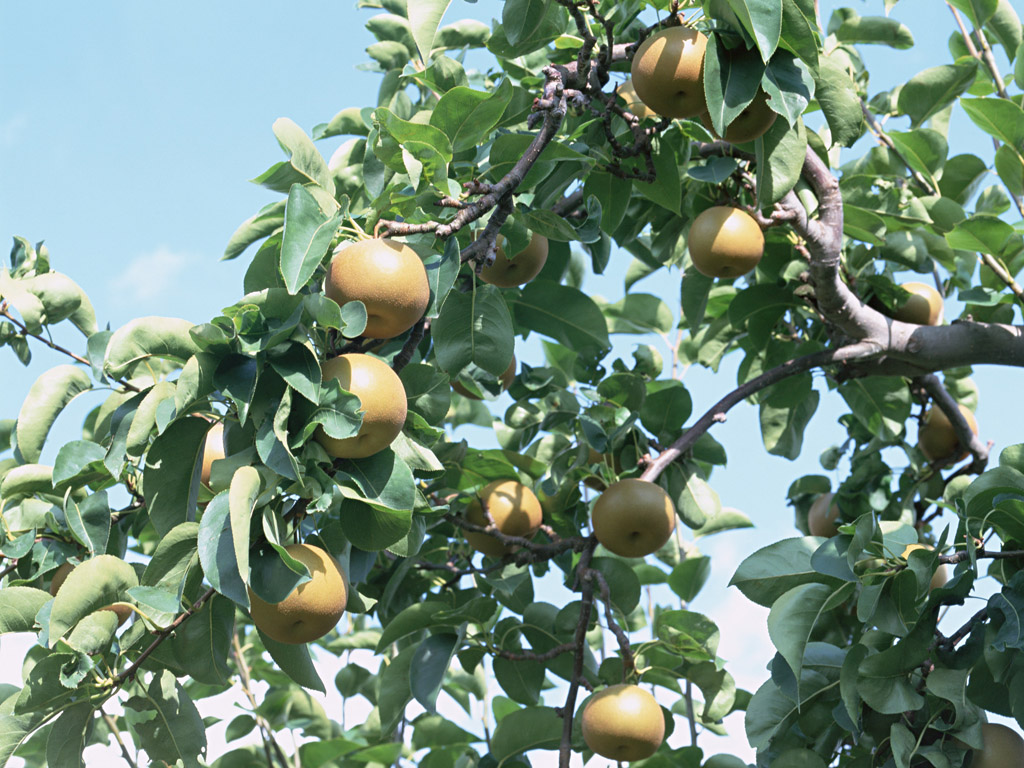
[151,274]
[12,129]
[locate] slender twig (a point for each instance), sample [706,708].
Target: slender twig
[116,732]
[530,551]
[8,569]
[568,710]
[548,655]
[261,723]
[403,358]
[628,662]
[981,554]
[950,642]
[161,635]
[717,412]
[691,714]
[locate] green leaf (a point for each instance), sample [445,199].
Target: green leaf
[428,145]
[467,116]
[373,527]
[695,500]
[298,366]
[980,232]
[145,337]
[171,477]
[145,419]
[792,619]
[62,298]
[782,428]
[665,190]
[429,665]
[91,586]
[928,92]
[882,404]
[521,680]
[305,165]
[265,223]
[210,629]
[850,28]
[393,692]
[474,328]
[169,726]
[731,80]
[800,32]
[89,521]
[837,95]
[639,313]
[978,11]
[217,550]
[176,553]
[525,729]
[924,150]
[777,568]
[564,314]
[43,691]
[666,408]
[242,496]
[1005,25]
[424,19]
[1000,118]
[19,606]
[308,231]
[67,737]
[762,20]
[47,397]
[689,577]
[25,480]
[780,157]
[382,480]
[295,661]
[94,633]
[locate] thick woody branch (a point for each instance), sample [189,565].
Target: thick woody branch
[964,434]
[718,411]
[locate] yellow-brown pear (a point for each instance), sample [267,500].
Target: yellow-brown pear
[633,517]
[923,307]
[725,242]
[388,277]
[1002,748]
[634,103]
[822,516]
[382,402]
[755,120]
[213,450]
[623,723]
[941,575]
[313,608]
[668,72]
[521,268]
[937,438]
[514,509]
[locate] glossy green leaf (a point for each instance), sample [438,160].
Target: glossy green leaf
[19,606]
[837,95]
[393,692]
[987,234]
[308,231]
[47,397]
[171,476]
[62,299]
[474,328]
[931,90]
[424,19]
[145,337]
[780,158]
[265,223]
[305,164]
[881,404]
[467,116]
[782,428]
[295,661]
[91,586]
[217,550]
[526,729]
[169,726]
[850,28]
[429,665]
[773,570]
[89,521]
[762,20]
[211,629]
[999,118]
[564,314]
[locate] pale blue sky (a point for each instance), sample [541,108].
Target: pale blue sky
[127,134]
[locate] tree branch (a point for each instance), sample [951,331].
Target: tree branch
[717,412]
[116,733]
[568,710]
[403,358]
[964,433]
[161,635]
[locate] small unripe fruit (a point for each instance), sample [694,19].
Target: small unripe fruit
[623,722]
[313,608]
[725,242]
[512,506]
[633,518]
[668,72]
[822,516]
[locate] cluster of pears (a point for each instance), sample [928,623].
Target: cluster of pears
[667,74]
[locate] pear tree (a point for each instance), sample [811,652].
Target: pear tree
[214,453]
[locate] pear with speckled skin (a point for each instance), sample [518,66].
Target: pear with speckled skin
[623,722]
[937,437]
[521,268]
[755,120]
[382,400]
[633,517]
[668,72]
[513,508]
[1002,748]
[313,608]
[725,242]
[388,277]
